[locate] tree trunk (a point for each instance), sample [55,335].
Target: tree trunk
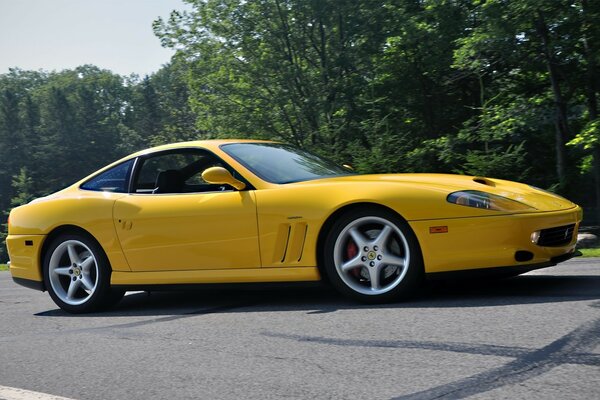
[562,124]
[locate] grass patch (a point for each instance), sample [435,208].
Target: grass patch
[3,267]
[590,252]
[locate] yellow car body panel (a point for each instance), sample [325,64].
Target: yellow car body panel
[90,211]
[271,232]
[170,232]
[475,238]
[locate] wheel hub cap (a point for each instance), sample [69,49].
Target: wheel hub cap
[73,272]
[382,261]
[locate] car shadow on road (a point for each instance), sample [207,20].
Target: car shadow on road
[320,298]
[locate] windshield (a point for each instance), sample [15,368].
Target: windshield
[282,163]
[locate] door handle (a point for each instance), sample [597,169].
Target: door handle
[126,224]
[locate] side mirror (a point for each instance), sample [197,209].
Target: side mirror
[219,175]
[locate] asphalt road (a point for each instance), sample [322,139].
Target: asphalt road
[532,337]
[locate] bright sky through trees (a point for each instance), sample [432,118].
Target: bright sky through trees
[59,34]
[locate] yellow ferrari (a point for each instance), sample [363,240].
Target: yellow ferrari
[257,211]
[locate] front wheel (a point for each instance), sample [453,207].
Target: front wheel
[77,274]
[373,256]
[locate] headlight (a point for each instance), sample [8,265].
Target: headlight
[488,201]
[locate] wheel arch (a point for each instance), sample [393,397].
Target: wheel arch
[62,230]
[328,224]
[98,297]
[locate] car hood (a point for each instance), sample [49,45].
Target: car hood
[445,184]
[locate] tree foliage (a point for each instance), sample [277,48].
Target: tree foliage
[494,87]
[57,127]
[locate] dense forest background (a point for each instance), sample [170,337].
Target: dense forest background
[500,88]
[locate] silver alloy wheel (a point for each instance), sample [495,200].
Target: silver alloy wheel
[371,255]
[73,272]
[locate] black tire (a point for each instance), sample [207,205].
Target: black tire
[77,274]
[372,255]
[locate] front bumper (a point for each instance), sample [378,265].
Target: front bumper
[499,272]
[489,242]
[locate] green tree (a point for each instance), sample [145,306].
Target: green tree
[512,52]
[282,69]
[22,185]
[589,136]
[178,121]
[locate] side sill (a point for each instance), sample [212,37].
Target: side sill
[31,284]
[251,286]
[248,275]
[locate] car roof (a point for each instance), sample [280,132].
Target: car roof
[208,144]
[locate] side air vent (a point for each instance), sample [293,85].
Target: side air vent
[484,181]
[559,236]
[289,245]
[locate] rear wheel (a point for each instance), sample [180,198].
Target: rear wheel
[77,274]
[373,256]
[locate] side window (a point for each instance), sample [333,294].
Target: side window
[177,171]
[115,179]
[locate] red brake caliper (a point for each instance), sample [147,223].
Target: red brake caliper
[351,252]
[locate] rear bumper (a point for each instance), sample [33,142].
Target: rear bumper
[24,252]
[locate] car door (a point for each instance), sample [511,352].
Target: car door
[172,220]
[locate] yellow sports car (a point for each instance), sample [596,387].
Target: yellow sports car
[258,211]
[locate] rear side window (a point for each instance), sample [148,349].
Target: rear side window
[115,179]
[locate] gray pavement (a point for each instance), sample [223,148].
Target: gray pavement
[536,336]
